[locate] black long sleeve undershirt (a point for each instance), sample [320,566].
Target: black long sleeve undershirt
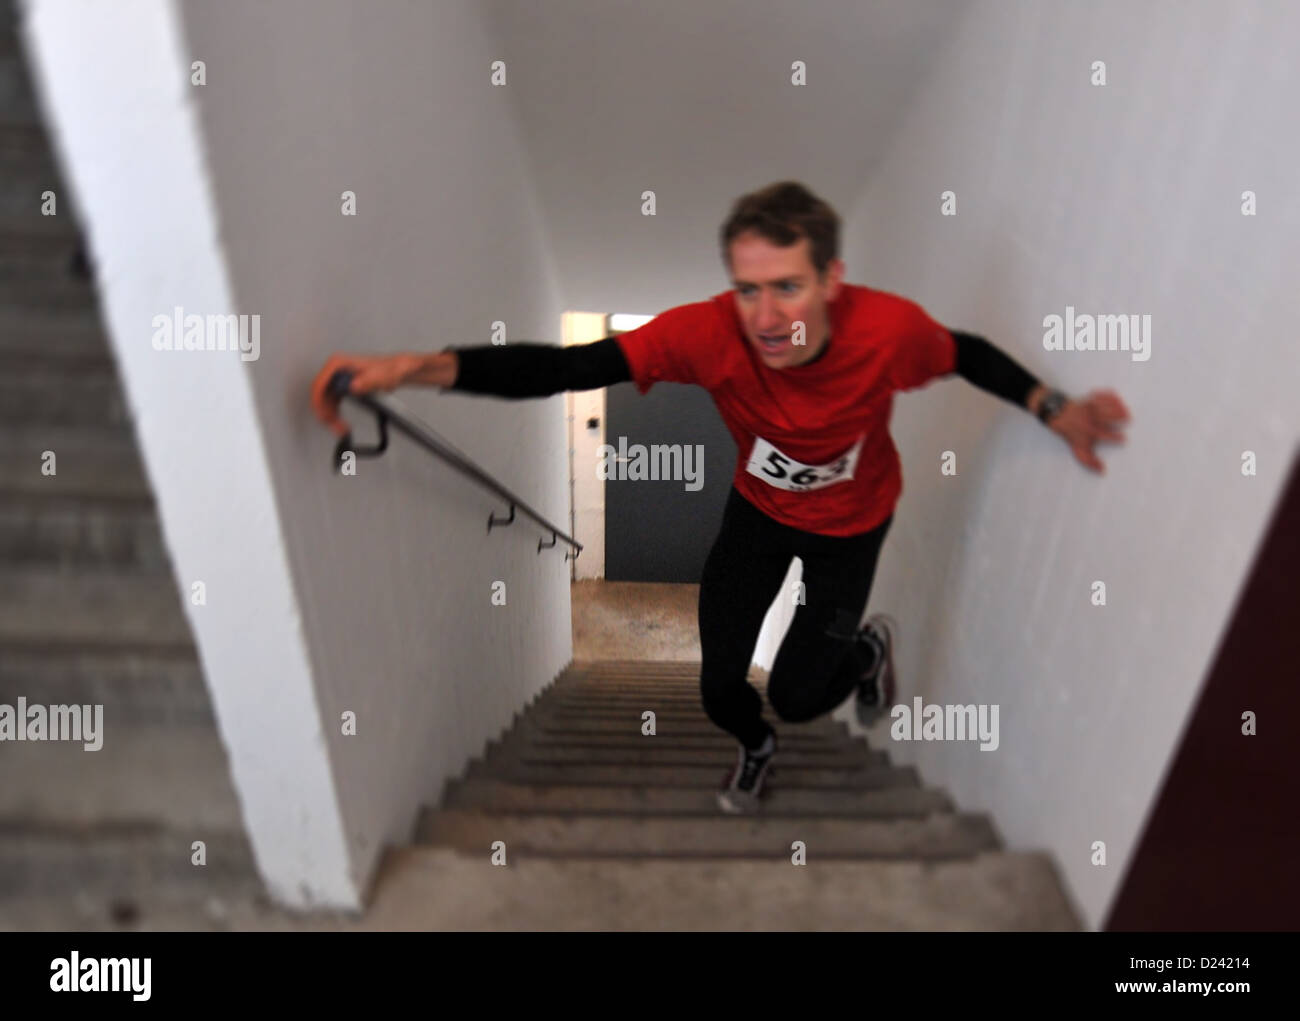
[988,367]
[539,370]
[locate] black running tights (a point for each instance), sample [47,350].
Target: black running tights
[816,667]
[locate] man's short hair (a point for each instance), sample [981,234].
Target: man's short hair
[783,213]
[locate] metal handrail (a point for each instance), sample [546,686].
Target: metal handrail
[406,423]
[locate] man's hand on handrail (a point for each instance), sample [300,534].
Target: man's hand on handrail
[378,372]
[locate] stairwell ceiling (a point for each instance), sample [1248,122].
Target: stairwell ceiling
[694,101]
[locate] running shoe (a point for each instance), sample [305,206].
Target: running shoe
[875,695]
[744,784]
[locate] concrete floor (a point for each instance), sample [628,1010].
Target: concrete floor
[635,620]
[433,889]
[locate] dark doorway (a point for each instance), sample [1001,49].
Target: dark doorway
[660,530]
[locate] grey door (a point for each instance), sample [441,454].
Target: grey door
[661,530]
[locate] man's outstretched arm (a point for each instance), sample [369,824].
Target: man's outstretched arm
[513,370]
[1080,423]
[991,369]
[539,370]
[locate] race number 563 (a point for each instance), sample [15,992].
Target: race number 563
[785,472]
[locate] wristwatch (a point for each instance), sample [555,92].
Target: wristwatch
[1051,406]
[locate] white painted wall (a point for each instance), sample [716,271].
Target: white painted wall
[327,594]
[1123,198]
[588,489]
[395,568]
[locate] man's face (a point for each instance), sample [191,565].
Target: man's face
[776,288]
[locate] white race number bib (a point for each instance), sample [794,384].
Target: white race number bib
[784,472]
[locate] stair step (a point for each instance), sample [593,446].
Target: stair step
[648,753]
[58,338]
[28,174]
[683,713]
[136,689]
[430,887]
[684,688]
[91,610]
[73,533]
[687,695]
[17,99]
[45,394]
[501,796]
[122,861]
[36,291]
[633,668]
[21,201]
[658,701]
[37,252]
[681,687]
[632,737]
[25,150]
[172,776]
[666,723]
[687,691]
[649,672]
[94,464]
[938,836]
[661,707]
[684,710]
[516,771]
[687,675]
[34,244]
[684,684]
[637,667]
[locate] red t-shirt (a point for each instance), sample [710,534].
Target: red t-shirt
[802,431]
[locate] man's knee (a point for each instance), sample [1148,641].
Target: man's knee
[711,699]
[721,687]
[843,626]
[790,700]
[795,691]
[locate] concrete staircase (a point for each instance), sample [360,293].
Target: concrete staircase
[89,610]
[606,828]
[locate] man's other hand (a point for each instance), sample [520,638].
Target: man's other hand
[1084,423]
